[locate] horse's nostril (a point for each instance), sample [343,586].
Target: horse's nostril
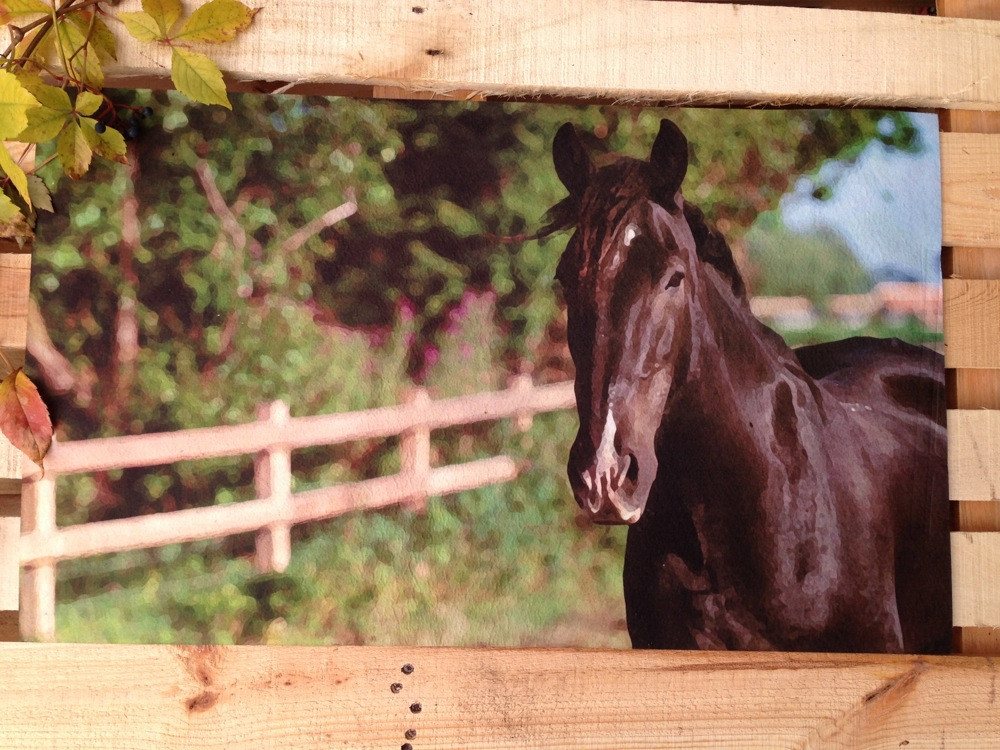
[632,474]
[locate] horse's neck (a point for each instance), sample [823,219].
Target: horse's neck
[743,434]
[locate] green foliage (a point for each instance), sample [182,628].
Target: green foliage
[787,264]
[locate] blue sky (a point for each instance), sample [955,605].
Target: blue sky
[886,205]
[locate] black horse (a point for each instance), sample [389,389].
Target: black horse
[777,498]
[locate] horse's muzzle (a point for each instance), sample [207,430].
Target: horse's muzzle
[608,494]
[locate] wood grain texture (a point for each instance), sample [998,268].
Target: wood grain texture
[975,575]
[974,454]
[339,697]
[970,189]
[626,49]
[972,323]
[15,271]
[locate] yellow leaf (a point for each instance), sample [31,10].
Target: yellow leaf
[164,12]
[142,26]
[41,52]
[217,21]
[74,152]
[13,223]
[82,58]
[199,78]
[8,212]
[87,102]
[15,173]
[101,38]
[45,122]
[41,198]
[5,15]
[110,144]
[15,102]
[52,97]
[19,8]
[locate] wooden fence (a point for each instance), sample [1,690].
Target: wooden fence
[271,439]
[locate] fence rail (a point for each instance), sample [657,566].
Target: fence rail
[276,509]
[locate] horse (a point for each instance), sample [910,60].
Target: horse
[776,498]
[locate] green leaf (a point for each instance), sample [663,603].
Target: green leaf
[41,198]
[17,176]
[142,26]
[110,144]
[74,152]
[217,21]
[82,58]
[15,102]
[164,12]
[45,122]
[101,38]
[26,7]
[199,78]
[87,102]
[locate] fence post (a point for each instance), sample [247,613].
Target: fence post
[273,480]
[38,581]
[415,451]
[522,385]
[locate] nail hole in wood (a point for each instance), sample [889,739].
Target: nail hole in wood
[410,734]
[407,669]
[415,708]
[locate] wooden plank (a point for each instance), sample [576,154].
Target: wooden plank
[973,454]
[10,540]
[171,697]
[975,575]
[15,271]
[970,189]
[626,49]
[972,323]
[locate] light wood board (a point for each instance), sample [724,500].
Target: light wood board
[624,49]
[252,697]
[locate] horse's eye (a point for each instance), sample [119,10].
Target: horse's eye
[675,279]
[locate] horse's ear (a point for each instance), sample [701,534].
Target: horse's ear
[572,162]
[669,161]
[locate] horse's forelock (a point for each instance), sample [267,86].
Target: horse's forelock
[599,210]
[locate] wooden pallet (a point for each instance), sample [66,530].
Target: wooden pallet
[681,52]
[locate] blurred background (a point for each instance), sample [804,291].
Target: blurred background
[333,253]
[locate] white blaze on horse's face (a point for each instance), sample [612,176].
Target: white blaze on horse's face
[641,323]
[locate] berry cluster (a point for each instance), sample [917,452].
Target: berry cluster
[127,119]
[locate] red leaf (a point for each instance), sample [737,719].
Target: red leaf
[24,418]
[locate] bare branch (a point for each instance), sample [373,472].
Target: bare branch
[299,237]
[230,224]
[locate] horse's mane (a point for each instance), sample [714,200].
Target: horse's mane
[711,245]
[713,248]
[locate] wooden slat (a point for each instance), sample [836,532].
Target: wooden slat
[974,454]
[970,188]
[626,49]
[975,575]
[972,323]
[152,449]
[172,697]
[15,270]
[217,521]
